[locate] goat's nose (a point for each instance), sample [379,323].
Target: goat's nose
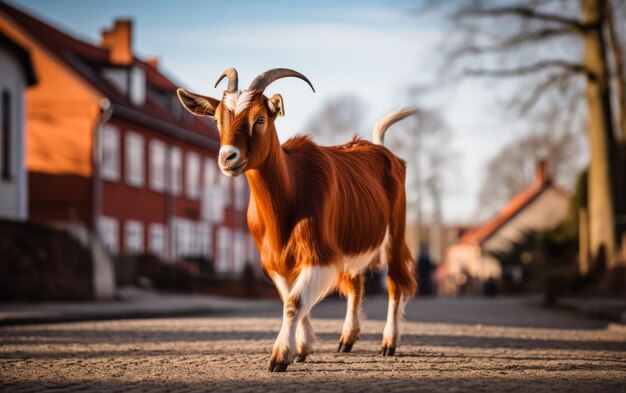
[229,154]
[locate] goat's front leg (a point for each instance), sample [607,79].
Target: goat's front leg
[304,339]
[312,284]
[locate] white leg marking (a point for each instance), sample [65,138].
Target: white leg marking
[312,284]
[391,334]
[391,327]
[282,285]
[353,316]
[305,337]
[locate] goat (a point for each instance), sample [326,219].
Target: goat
[320,215]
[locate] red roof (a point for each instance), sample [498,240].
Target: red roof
[89,60]
[517,204]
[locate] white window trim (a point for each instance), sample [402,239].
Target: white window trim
[176,179]
[135,179]
[192,180]
[240,193]
[128,247]
[224,241]
[157,230]
[108,228]
[157,184]
[110,170]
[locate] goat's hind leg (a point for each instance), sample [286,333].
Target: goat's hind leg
[391,336]
[401,285]
[352,289]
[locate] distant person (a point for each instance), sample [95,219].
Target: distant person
[424,272]
[491,287]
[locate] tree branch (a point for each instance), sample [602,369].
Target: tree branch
[529,69]
[517,40]
[558,80]
[521,12]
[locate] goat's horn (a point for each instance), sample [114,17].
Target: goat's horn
[233,79]
[265,79]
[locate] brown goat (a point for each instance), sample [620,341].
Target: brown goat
[320,215]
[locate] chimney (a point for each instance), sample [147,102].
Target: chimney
[118,40]
[541,172]
[153,62]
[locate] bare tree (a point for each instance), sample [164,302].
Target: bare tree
[513,168]
[561,51]
[423,142]
[337,120]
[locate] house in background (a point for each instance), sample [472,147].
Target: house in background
[17,74]
[469,263]
[110,147]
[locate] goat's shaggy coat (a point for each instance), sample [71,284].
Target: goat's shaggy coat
[320,215]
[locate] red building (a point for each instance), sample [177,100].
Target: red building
[109,146]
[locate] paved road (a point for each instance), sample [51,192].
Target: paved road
[448,345]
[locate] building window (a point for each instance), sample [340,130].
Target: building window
[240,193]
[157,165]
[137,85]
[181,240]
[192,176]
[212,205]
[226,186]
[134,159]
[6,135]
[108,230]
[205,239]
[110,153]
[239,251]
[157,240]
[210,172]
[252,250]
[133,237]
[224,248]
[176,171]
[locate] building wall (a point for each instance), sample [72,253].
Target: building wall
[13,190]
[545,212]
[191,229]
[61,107]
[61,113]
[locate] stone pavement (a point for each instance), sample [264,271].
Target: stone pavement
[448,345]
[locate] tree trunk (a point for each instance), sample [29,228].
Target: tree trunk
[618,69]
[601,136]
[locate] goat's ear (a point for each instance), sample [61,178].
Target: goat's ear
[276,105]
[197,104]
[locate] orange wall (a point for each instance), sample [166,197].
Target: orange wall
[61,113]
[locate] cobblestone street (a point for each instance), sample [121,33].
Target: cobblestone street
[447,345]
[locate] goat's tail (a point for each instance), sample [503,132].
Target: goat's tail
[388,121]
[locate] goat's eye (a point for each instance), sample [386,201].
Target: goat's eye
[260,120]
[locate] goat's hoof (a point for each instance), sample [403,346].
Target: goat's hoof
[388,351]
[345,348]
[277,367]
[300,358]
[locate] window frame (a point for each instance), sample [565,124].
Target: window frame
[108,230]
[132,139]
[131,248]
[157,183]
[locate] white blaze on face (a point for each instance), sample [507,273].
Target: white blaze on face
[237,102]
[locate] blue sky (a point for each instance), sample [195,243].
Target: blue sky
[376,49]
